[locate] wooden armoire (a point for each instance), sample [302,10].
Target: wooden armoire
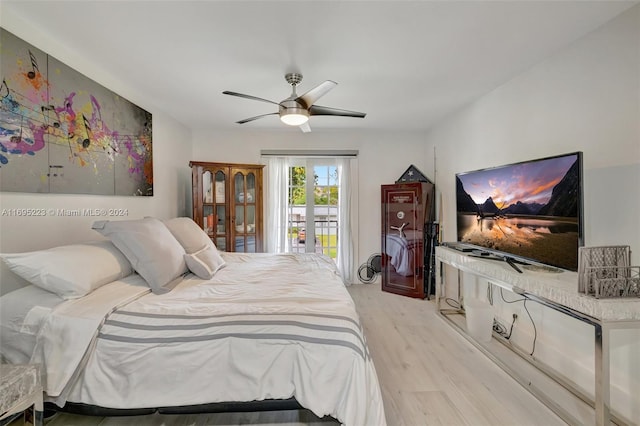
[407,231]
[227,204]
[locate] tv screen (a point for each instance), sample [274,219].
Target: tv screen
[530,210]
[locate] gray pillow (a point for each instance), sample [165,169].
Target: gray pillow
[201,256]
[152,250]
[188,233]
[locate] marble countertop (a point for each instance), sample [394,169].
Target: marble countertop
[558,286]
[17,382]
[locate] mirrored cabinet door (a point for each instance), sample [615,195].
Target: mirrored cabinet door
[245,211]
[207,200]
[221,218]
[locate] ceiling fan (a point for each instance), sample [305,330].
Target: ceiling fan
[295,110]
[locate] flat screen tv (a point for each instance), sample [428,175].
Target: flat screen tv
[531,211]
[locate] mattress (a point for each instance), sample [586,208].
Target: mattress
[267,326]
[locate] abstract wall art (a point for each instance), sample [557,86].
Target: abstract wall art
[61,132]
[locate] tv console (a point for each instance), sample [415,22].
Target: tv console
[558,291]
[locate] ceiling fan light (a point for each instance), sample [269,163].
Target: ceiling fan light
[294,116]
[294,119]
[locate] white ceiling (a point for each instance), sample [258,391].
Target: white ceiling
[406,64]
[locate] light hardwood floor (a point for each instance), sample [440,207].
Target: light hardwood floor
[429,375]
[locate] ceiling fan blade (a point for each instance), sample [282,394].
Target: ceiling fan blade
[322,110]
[316,93]
[241,95]
[246,120]
[305,127]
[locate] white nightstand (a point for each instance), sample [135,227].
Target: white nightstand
[20,388]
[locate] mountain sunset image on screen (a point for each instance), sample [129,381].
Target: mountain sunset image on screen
[531,210]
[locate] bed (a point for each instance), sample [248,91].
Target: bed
[263,327]
[403,250]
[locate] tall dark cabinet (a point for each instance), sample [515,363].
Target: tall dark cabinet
[407,231]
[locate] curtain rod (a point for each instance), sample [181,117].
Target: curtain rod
[309,153]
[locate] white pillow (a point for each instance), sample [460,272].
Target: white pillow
[188,234]
[205,263]
[153,252]
[71,271]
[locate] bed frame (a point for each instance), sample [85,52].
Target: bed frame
[215,407]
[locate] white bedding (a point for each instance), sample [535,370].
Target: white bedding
[21,314]
[265,327]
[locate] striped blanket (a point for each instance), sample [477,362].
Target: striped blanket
[265,327]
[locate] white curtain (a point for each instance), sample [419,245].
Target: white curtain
[344,260]
[277,204]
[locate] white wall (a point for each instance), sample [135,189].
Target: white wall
[172,178]
[584,98]
[383,158]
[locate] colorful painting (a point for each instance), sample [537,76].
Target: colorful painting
[61,132]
